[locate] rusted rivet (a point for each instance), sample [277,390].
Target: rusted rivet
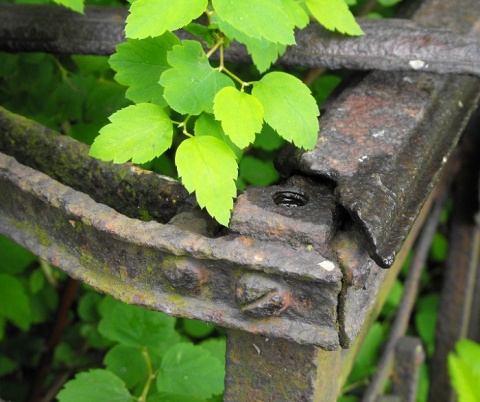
[259,296]
[290,199]
[183,274]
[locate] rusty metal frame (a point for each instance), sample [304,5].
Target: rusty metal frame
[300,265]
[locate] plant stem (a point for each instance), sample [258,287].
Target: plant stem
[215,47]
[151,375]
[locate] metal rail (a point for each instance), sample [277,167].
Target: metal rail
[390,45]
[297,282]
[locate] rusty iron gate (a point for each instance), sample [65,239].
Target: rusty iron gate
[301,273]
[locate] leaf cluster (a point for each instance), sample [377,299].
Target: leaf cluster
[148,360]
[177,90]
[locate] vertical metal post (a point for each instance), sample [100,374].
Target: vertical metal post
[268,369]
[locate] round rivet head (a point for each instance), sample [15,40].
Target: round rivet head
[259,296]
[184,274]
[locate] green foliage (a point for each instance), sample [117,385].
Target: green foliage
[179,76]
[464,370]
[75,5]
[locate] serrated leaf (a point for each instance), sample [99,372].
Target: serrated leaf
[139,63]
[96,385]
[207,125]
[75,5]
[289,108]
[334,15]
[154,17]
[208,166]
[136,326]
[127,363]
[191,83]
[14,302]
[187,369]
[138,132]
[263,52]
[241,115]
[296,13]
[257,19]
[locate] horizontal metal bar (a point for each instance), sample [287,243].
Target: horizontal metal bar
[387,45]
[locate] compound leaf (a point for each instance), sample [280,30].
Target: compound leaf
[241,115]
[138,132]
[154,17]
[208,166]
[96,385]
[191,83]
[187,369]
[139,63]
[289,108]
[258,19]
[334,15]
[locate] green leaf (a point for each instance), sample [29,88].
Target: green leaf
[7,365]
[197,329]
[138,132]
[95,386]
[463,379]
[154,17]
[191,83]
[469,352]
[136,326]
[263,52]
[258,19]
[187,369]
[139,63]
[258,172]
[296,13]
[127,363]
[334,15]
[389,3]
[15,259]
[241,115]
[208,166]
[14,302]
[289,108]
[36,281]
[207,125]
[268,139]
[426,320]
[439,247]
[75,5]
[217,348]
[201,31]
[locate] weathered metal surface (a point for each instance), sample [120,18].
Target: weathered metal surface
[269,369]
[387,45]
[409,355]
[265,287]
[383,143]
[135,192]
[459,304]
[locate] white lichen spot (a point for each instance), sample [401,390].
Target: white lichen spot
[460,104]
[256,348]
[363,158]
[258,258]
[444,160]
[417,64]
[327,265]
[378,134]
[408,79]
